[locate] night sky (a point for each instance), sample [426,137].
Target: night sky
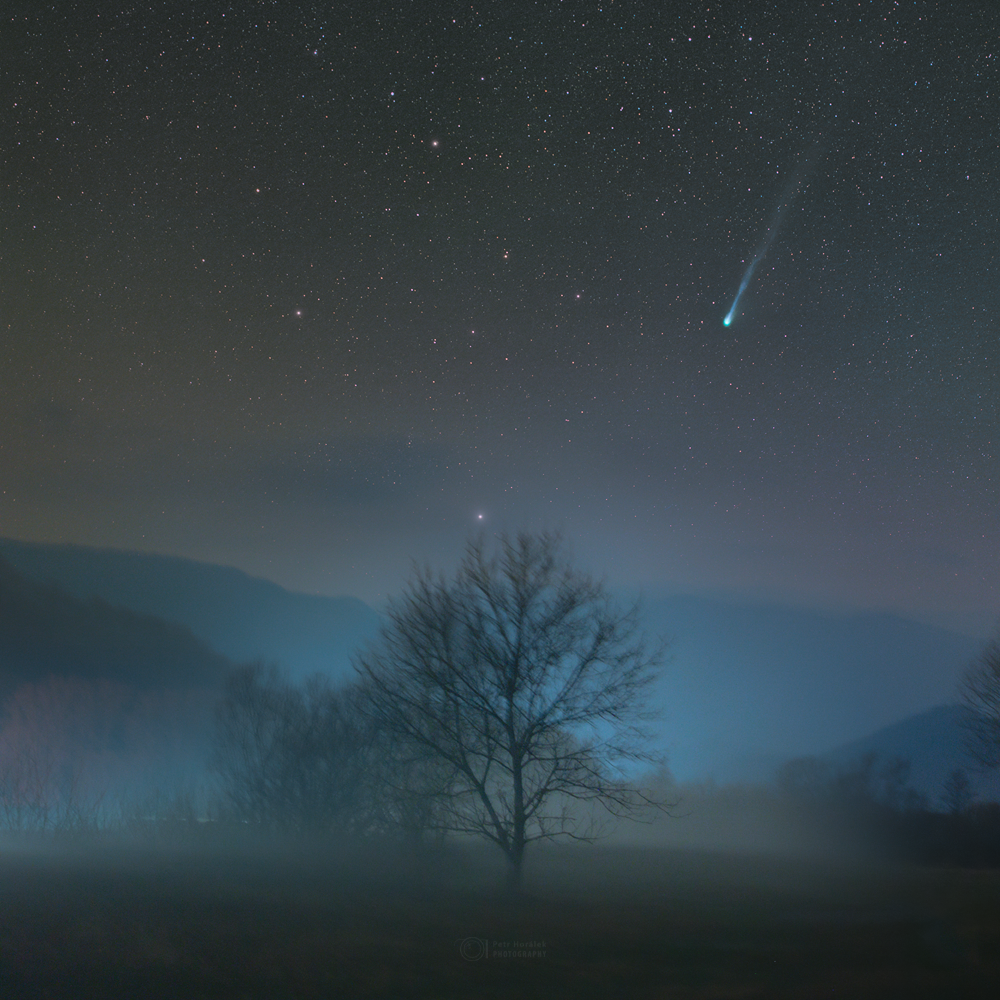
[317,289]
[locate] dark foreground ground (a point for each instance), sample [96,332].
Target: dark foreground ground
[123,921]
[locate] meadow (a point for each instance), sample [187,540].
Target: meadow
[260,921]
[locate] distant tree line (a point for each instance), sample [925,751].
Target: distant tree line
[504,702]
[496,704]
[871,804]
[81,755]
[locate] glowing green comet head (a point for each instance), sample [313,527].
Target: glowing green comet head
[727,320]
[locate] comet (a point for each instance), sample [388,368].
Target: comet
[787,197]
[743,287]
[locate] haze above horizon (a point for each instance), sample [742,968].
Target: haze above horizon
[316,297]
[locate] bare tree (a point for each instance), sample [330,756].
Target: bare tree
[806,779]
[65,743]
[957,794]
[980,689]
[525,683]
[290,758]
[409,787]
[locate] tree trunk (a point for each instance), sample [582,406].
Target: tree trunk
[515,866]
[516,853]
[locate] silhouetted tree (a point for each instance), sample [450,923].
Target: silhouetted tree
[957,793]
[980,688]
[865,783]
[287,757]
[892,786]
[408,787]
[72,750]
[524,683]
[806,779]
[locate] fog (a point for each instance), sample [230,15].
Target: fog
[126,872]
[785,803]
[218,913]
[361,363]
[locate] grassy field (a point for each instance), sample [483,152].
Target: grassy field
[125,921]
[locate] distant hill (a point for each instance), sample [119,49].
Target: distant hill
[934,742]
[750,685]
[242,617]
[45,631]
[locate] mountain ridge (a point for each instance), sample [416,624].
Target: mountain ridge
[241,616]
[934,742]
[748,684]
[45,631]
[752,684]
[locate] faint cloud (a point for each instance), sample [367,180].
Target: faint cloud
[360,471]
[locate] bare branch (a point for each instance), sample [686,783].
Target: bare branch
[527,684]
[980,689]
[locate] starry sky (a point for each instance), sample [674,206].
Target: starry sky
[317,289]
